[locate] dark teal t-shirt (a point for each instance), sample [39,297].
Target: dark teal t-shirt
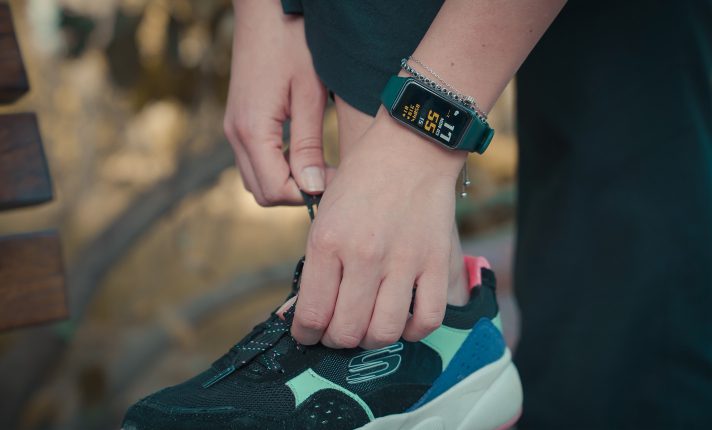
[357,45]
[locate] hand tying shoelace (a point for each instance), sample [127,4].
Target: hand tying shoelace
[269,381]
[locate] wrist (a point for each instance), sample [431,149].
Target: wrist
[419,150]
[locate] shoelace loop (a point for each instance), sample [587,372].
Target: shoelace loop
[261,341]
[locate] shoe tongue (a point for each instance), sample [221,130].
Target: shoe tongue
[266,338]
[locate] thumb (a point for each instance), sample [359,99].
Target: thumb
[306,154]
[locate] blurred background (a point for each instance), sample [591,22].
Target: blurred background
[168,259]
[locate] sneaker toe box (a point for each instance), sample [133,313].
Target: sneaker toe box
[150,414]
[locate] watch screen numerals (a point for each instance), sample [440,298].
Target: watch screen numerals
[431,114]
[431,124]
[446,137]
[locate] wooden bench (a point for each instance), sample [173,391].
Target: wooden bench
[32,286]
[13,79]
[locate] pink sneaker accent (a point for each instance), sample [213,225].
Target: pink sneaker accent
[509,424]
[473,266]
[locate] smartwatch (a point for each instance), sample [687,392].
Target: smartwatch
[436,116]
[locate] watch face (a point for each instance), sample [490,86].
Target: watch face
[431,114]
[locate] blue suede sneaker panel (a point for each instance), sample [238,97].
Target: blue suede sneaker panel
[484,345]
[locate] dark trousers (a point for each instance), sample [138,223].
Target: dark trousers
[614,258]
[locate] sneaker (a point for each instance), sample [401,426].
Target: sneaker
[459,377]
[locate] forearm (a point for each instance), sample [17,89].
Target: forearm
[477,45]
[251,16]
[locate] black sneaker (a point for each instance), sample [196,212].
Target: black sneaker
[459,377]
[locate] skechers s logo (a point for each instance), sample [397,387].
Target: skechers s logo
[374,364]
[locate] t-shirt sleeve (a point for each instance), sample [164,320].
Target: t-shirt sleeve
[292,7]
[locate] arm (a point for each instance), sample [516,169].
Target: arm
[385,221]
[272,79]
[477,46]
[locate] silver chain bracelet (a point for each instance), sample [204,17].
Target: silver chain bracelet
[465,181]
[445,88]
[454,94]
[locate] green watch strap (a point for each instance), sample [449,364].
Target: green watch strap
[392,89]
[477,137]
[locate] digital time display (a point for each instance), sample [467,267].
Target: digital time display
[431,114]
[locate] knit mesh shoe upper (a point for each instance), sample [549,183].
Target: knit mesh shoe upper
[269,381]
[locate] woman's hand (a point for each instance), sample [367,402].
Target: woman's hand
[273,79]
[384,225]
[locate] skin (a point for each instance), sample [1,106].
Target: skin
[272,79]
[386,220]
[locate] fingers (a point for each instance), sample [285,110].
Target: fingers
[272,171]
[259,156]
[317,294]
[306,156]
[258,149]
[249,180]
[357,296]
[430,303]
[348,302]
[390,313]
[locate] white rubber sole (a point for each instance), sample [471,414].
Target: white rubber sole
[489,399]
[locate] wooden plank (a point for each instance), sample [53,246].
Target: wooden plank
[24,175]
[13,79]
[32,289]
